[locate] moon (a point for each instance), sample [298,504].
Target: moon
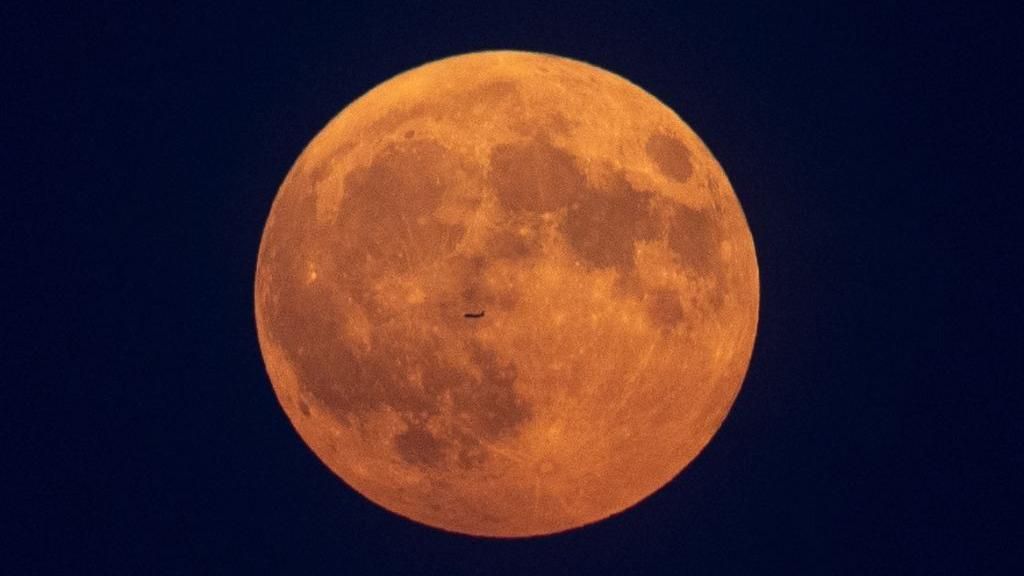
[506,294]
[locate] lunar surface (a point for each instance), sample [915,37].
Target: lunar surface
[506,294]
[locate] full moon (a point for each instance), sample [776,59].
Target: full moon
[506,294]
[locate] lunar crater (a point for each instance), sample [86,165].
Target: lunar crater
[484,407]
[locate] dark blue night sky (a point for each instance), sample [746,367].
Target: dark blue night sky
[875,152]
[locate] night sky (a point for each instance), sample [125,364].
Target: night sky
[876,154]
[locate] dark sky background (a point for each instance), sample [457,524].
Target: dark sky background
[876,153]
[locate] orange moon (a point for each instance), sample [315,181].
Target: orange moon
[506,294]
